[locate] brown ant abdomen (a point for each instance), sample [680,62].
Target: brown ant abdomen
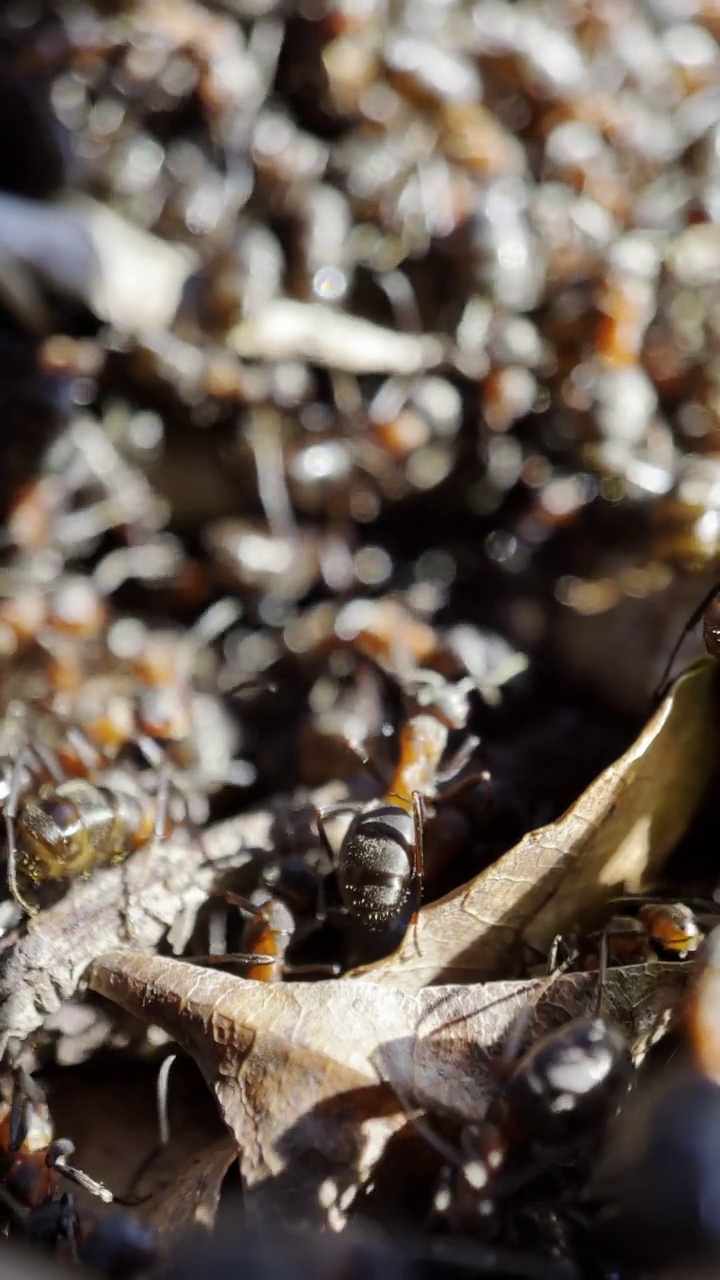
[69,828]
[375,867]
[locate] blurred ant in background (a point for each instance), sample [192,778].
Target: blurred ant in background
[34,1205]
[666,930]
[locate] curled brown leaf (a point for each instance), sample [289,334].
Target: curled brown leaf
[305,1074]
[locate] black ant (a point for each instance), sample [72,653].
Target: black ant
[378,850]
[654,1190]
[553,1097]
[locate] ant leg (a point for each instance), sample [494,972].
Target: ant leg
[465,784]
[67,1226]
[10,814]
[333,811]
[695,617]
[418,816]
[161,803]
[237,957]
[458,759]
[162,1094]
[87,752]
[20,1116]
[367,762]
[57,1158]
[322,970]
[17,1211]
[602,973]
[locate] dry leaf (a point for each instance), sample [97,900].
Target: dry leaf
[300,1071]
[135,904]
[615,839]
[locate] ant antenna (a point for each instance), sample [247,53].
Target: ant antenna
[163,1119]
[57,1158]
[692,621]
[162,1094]
[511,1048]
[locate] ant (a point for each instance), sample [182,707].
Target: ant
[33,1166]
[655,1188]
[266,937]
[378,849]
[68,826]
[552,1098]
[117,1245]
[32,1162]
[157,715]
[709,611]
[669,930]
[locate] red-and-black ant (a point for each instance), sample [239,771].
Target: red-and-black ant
[378,849]
[33,1164]
[267,935]
[34,1170]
